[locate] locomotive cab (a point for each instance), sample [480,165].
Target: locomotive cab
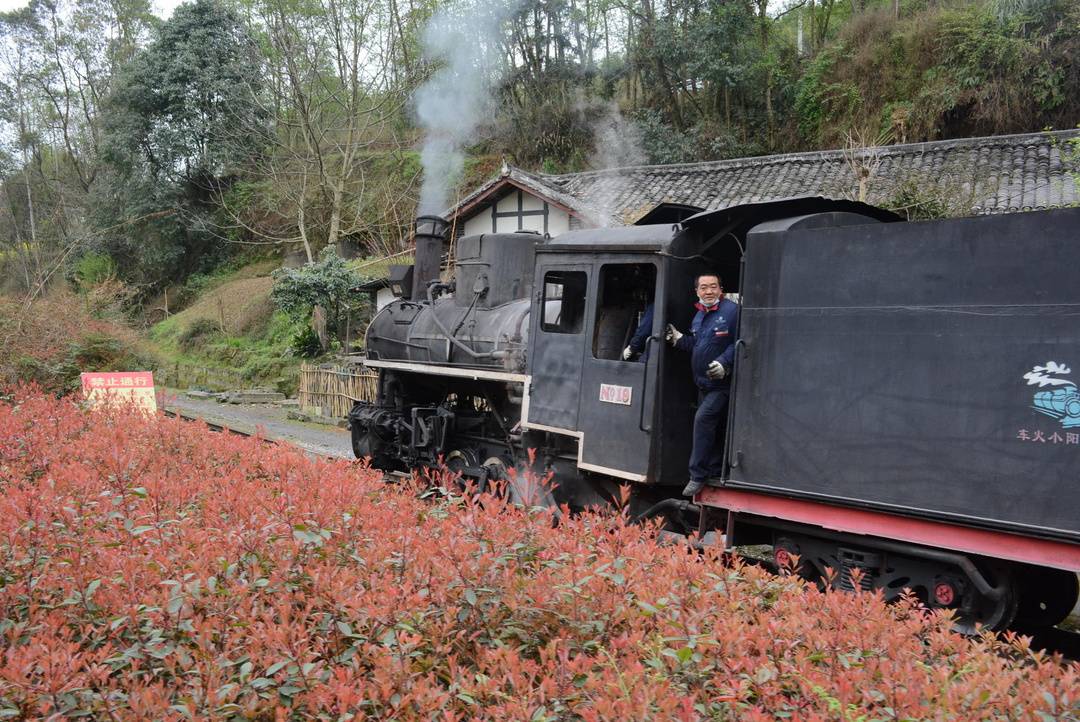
[632,419]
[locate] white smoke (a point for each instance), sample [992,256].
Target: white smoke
[1038,375]
[463,40]
[618,145]
[618,140]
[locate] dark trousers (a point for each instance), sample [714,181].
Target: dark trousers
[707,458]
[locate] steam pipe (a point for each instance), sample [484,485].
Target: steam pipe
[664,506]
[450,337]
[430,234]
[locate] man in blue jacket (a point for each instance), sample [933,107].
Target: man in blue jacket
[711,344]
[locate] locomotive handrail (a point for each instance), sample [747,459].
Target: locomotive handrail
[644,385]
[740,345]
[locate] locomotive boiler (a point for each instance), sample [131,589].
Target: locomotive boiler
[889,424]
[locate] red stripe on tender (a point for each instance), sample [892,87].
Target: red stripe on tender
[999,545]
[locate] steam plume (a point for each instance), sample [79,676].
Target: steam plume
[618,145]
[464,40]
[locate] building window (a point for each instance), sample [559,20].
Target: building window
[564,301]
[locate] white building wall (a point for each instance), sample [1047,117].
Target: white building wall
[509,204]
[558,221]
[518,211]
[382,297]
[480,223]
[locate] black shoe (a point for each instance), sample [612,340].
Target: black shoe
[693,488]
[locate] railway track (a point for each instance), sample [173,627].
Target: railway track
[211,425]
[222,426]
[1054,640]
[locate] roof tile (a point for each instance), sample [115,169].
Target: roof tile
[987,175]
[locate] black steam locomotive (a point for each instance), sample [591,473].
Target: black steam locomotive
[903,413]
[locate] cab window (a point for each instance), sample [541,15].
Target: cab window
[564,301]
[626,290]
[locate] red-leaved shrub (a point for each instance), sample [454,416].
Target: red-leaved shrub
[151,569]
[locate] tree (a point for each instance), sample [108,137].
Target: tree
[336,97]
[179,129]
[315,290]
[59,59]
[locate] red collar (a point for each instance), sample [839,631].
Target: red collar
[707,309]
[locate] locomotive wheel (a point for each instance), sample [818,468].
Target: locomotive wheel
[458,461]
[784,553]
[364,445]
[977,609]
[1047,596]
[517,487]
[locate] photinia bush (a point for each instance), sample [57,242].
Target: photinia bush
[151,569]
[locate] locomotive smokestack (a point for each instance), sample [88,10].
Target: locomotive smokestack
[430,237]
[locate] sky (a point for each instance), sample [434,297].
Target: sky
[162,8]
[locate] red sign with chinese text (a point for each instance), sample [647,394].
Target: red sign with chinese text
[123,386]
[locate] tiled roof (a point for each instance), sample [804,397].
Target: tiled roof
[971,176]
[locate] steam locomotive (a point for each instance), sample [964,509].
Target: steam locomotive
[902,416]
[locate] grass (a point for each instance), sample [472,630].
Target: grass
[373,268]
[232,326]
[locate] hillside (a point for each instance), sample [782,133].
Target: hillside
[51,341]
[230,335]
[950,70]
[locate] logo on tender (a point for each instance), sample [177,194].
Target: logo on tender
[1062,401]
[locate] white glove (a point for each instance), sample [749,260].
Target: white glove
[627,353]
[716,371]
[672,335]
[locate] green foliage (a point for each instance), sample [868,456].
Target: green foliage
[551,126]
[198,333]
[92,269]
[165,146]
[91,352]
[945,71]
[185,103]
[918,202]
[663,143]
[819,101]
[305,343]
[1007,10]
[263,356]
[1070,157]
[247,341]
[327,283]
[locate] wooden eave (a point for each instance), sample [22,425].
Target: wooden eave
[502,184]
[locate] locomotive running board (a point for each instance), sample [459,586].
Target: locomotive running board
[465,373]
[1000,545]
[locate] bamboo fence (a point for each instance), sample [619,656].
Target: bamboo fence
[331,391]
